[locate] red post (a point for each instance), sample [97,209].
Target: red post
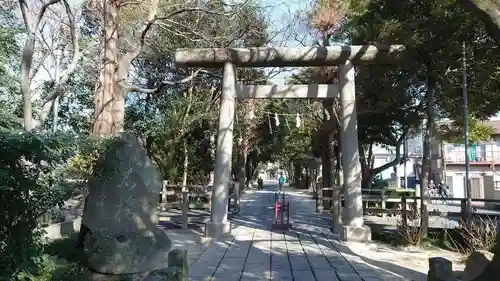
[277,208]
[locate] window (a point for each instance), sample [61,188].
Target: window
[497,184]
[417,150]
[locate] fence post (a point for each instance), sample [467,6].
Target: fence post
[185,209]
[319,199]
[463,211]
[404,214]
[236,194]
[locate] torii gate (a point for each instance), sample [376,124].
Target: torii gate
[345,57]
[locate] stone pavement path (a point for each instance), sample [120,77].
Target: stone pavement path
[308,252]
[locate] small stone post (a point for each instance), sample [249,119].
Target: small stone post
[440,269]
[218,224]
[353,228]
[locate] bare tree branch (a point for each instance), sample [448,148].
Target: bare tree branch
[65,74]
[128,57]
[31,23]
[163,84]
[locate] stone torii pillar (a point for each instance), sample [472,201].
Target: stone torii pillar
[343,56]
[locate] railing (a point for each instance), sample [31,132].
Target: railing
[171,196]
[405,206]
[480,154]
[193,197]
[198,196]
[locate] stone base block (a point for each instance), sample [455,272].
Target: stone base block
[353,233]
[336,229]
[217,230]
[176,270]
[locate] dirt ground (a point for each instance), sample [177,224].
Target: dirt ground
[410,263]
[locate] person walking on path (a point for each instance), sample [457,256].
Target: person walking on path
[281,181]
[260,184]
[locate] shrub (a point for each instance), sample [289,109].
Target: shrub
[82,164]
[379,182]
[413,232]
[31,172]
[480,236]
[399,192]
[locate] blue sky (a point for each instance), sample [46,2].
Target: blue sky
[284,20]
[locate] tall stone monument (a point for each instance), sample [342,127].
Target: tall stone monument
[120,214]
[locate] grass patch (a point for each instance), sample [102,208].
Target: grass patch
[64,249]
[62,261]
[388,237]
[434,240]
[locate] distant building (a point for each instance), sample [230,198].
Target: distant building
[484,166]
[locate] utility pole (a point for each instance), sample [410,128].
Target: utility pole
[466,137]
[405,153]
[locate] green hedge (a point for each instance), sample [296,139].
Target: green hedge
[399,192]
[32,169]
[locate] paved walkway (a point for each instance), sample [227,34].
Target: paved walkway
[309,252]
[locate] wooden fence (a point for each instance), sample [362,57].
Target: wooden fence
[196,196]
[193,197]
[376,202]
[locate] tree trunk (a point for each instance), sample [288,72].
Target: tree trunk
[367,179]
[251,168]
[297,169]
[185,167]
[366,163]
[242,161]
[426,159]
[26,62]
[104,123]
[245,143]
[31,23]
[338,164]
